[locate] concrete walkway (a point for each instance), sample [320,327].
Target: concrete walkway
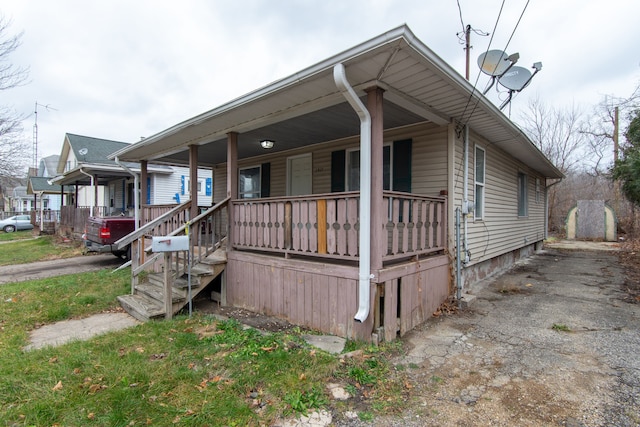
[79,329]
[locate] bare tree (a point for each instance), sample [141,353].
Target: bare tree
[14,149]
[611,114]
[556,132]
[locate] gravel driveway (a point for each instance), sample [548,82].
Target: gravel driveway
[552,342]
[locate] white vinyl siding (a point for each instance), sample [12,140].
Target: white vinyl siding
[501,230]
[428,168]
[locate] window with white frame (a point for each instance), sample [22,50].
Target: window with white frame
[480,179]
[522,194]
[187,186]
[249,182]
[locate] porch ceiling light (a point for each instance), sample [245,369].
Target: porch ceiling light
[266,144]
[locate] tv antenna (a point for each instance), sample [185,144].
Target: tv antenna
[517,79]
[35,132]
[496,64]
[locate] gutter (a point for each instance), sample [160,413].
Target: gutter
[135,192]
[95,198]
[364,262]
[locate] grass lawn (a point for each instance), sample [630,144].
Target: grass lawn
[21,248]
[18,235]
[187,371]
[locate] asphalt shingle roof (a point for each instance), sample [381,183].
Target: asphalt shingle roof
[93,150]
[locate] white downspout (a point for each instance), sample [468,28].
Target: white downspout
[365,276]
[466,209]
[95,201]
[135,191]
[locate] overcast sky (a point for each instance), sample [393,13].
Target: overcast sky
[124,69]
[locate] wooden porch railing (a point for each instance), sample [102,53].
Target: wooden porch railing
[207,231]
[148,213]
[327,225]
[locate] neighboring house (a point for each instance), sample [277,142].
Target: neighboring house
[21,201]
[51,197]
[384,137]
[46,195]
[106,187]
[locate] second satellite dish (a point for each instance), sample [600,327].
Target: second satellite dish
[494,62]
[515,79]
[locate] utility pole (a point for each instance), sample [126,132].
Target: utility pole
[616,146]
[467,48]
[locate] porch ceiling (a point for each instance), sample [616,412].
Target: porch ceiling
[307,108]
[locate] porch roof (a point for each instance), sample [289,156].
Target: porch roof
[103,173]
[307,108]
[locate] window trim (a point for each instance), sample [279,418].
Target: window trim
[202,184]
[522,195]
[259,192]
[479,215]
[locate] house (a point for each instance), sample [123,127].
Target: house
[384,137]
[102,186]
[20,201]
[51,196]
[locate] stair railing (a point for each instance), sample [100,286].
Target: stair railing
[207,231]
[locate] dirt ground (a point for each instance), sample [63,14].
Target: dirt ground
[552,342]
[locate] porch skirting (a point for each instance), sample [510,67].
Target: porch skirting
[324,296]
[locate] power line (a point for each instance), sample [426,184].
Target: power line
[506,46]
[516,27]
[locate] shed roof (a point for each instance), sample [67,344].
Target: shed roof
[307,107]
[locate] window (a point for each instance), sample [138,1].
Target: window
[353,169]
[186,186]
[522,194]
[249,183]
[480,181]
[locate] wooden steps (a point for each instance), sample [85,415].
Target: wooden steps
[147,302]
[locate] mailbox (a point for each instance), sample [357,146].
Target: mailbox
[170,243]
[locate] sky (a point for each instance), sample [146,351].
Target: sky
[124,69]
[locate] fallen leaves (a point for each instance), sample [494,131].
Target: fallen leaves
[446,308]
[58,386]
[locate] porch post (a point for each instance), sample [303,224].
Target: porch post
[95,196]
[193,180]
[378,243]
[232,182]
[143,183]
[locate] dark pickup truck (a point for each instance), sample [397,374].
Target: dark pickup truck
[102,232]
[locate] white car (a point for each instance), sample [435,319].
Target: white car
[16,222]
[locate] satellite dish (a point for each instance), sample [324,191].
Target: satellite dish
[83,151]
[516,79]
[493,62]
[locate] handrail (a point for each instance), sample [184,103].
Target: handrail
[201,216]
[149,226]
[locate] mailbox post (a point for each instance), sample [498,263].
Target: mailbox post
[166,245]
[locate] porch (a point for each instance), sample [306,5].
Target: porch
[296,258]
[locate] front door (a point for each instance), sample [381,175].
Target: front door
[299,170]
